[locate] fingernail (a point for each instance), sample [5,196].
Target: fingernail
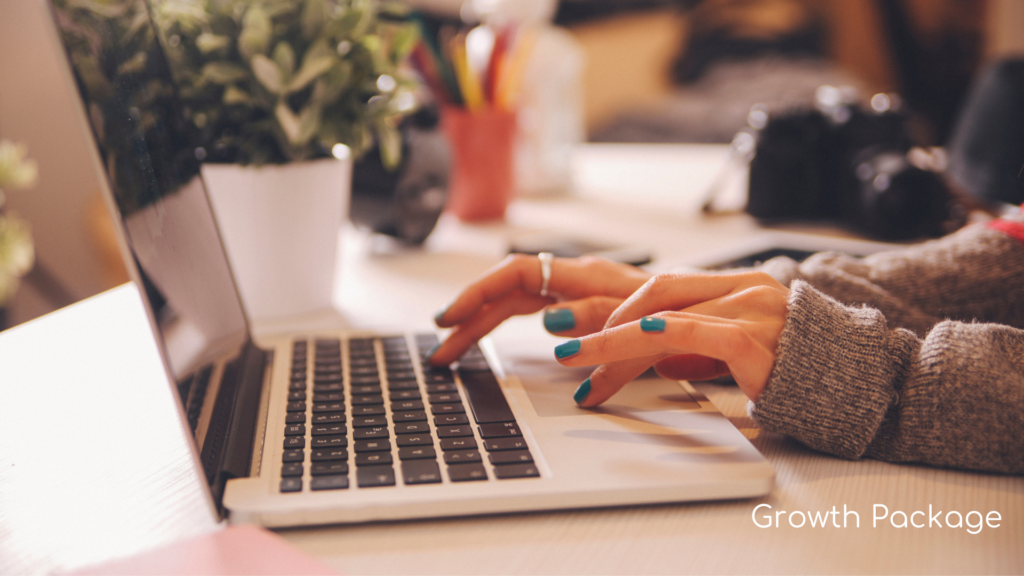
[582,392]
[430,353]
[559,319]
[652,324]
[440,316]
[567,349]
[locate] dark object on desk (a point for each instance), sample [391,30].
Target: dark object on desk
[986,153]
[849,164]
[565,247]
[406,202]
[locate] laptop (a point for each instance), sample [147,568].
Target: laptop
[353,426]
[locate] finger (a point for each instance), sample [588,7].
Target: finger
[690,367]
[679,291]
[516,273]
[580,317]
[486,319]
[678,333]
[608,379]
[571,278]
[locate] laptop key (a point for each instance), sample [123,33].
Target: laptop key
[369,421]
[454,431]
[295,430]
[328,442]
[414,440]
[457,443]
[447,409]
[297,406]
[329,418]
[406,405]
[373,458]
[291,484]
[329,429]
[467,472]
[374,476]
[421,472]
[444,398]
[411,394]
[291,470]
[485,397]
[462,456]
[411,416]
[295,418]
[372,446]
[328,454]
[292,442]
[329,468]
[510,457]
[412,427]
[416,452]
[322,407]
[497,444]
[327,397]
[372,410]
[367,399]
[451,419]
[371,433]
[516,471]
[337,482]
[499,430]
[293,455]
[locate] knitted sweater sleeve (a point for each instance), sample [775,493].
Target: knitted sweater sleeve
[898,362]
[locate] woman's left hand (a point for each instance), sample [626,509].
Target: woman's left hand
[689,327]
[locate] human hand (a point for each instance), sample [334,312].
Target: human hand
[587,290]
[689,327]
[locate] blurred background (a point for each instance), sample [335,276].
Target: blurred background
[643,71]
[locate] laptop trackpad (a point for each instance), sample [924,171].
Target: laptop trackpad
[550,388]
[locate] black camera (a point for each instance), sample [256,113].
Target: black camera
[845,163]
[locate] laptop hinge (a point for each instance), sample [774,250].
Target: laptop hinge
[227,449]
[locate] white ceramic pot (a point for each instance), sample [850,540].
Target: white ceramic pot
[280,226]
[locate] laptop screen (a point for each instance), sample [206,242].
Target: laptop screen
[149,155]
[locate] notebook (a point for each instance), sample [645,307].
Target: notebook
[353,426]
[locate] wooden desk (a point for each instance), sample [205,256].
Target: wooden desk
[631,195]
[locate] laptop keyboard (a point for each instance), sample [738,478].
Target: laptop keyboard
[366,412]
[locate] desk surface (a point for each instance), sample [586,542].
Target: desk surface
[629,195]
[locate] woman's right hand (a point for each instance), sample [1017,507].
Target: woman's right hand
[582,294]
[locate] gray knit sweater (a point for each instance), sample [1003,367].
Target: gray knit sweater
[912,355]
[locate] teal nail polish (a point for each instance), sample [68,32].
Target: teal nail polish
[582,392]
[559,320]
[652,324]
[440,316]
[430,353]
[567,349]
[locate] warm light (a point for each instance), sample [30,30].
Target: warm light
[385,83]
[341,152]
[880,102]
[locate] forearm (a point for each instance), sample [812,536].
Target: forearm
[975,274]
[846,383]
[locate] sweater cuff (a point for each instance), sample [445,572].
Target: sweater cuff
[832,381]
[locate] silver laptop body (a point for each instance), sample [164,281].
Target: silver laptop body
[351,426]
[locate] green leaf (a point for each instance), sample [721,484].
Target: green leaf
[224,73]
[309,125]
[314,15]
[312,68]
[288,121]
[134,64]
[284,57]
[390,142]
[404,41]
[207,42]
[267,72]
[235,96]
[256,29]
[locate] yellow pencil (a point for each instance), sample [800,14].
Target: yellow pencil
[469,83]
[512,70]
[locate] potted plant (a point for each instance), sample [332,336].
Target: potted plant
[16,252]
[283,95]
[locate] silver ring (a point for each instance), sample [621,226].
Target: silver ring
[545,271]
